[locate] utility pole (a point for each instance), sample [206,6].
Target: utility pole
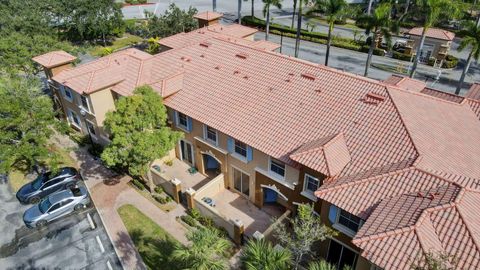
[239,15]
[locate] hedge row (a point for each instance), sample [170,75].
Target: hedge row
[278,29]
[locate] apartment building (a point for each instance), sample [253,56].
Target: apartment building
[393,165]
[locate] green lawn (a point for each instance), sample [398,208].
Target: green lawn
[153,243]
[118,43]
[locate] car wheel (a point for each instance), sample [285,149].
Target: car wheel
[41,223]
[79,207]
[34,200]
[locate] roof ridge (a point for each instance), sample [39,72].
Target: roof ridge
[440,177]
[382,235]
[89,85]
[467,226]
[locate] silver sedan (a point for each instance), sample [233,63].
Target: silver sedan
[55,206]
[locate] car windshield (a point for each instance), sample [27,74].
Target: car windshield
[37,183]
[44,205]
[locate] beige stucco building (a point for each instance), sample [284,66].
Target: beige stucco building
[437,43]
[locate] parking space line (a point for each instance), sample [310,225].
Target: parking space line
[109,266]
[100,244]
[92,225]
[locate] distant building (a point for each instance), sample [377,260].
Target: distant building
[437,43]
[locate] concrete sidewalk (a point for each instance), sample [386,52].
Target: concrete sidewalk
[109,192]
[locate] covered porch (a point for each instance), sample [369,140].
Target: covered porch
[174,168]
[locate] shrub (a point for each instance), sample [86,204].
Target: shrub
[106,51]
[206,221]
[168,162]
[160,199]
[450,62]
[158,189]
[189,220]
[400,56]
[376,51]
[134,2]
[95,149]
[138,184]
[79,138]
[194,213]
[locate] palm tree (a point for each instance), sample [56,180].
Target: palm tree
[293,15]
[253,8]
[432,11]
[239,12]
[207,252]
[369,8]
[471,39]
[323,265]
[334,10]
[266,12]
[260,254]
[299,25]
[380,25]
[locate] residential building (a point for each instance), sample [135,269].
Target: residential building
[437,43]
[393,166]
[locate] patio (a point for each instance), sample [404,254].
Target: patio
[234,206]
[179,170]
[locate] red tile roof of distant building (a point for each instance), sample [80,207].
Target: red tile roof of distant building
[54,59]
[208,15]
[436,33]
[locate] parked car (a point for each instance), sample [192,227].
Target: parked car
[48,183]
[56,205]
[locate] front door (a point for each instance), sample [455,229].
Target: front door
[186,150]
[340,255]
[426,53]
[241,181]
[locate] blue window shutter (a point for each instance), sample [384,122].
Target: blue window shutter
[332,213]
[230,144]
[189,124]
[249,153]
[175,118]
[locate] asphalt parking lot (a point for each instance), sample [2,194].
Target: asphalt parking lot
[68,243]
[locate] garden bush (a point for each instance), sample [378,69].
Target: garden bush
[189,220]
[400,56]
[194,213]
[450,62]
[376,51]
[158,189]
[135,2]
[206,221]
[138,184]
[161,199]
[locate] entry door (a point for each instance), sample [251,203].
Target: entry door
[241,181]
[187,151]
[426,53]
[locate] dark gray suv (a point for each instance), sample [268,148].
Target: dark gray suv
[48,183]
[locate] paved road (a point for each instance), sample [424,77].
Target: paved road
[68,243]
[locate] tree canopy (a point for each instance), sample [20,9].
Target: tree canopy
[260,254]
[139,133]
[25,124]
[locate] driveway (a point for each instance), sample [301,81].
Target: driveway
[68,243]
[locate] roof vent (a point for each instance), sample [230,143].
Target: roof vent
[217,67]
[246,77]
[236,72]
[309,76]
[202,55]
[242,55]
[205,44]
[376,97]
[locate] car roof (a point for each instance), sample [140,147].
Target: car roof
[60,196]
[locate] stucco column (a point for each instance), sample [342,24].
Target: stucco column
[238,230]
[190,194]
[177,188]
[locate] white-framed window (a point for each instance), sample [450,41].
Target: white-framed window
[310,184]
[240,148]
[91,128]
[277,167]
[183,121]
[349,221]
[67,93]
[74,119]
[210,134]
[84,103]
[340,255]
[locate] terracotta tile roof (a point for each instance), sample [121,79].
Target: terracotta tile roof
[405,83]
[53,59]
[265,45]
[443,95]
[327,155]
[233,33]
[432,33]
[474,92]
[403,229]
[475,106]
[208,15]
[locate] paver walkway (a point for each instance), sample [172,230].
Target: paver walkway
[109,192]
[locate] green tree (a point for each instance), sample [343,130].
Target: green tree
[260,254]
[431,11]
[335,10]
[208,250]
[379,25]
[299,233]
[26,123]
[17,51]
[139,133]
[324,265]
[471,39]
[266,12]
[172,22]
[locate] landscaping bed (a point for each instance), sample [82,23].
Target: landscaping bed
[153,243]
[118,43]
[158,197]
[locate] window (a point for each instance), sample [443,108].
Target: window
[340,255]
[241,181]
[67,93]
[277,167]
[53,182]
[210,134]
[348,220]
[54,207]
[91,128]
[85,104]
[310,184]
[74,119]
[182,120]
[240,148]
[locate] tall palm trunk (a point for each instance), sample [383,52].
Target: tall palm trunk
[253,8]
[370,53]
[294,9]
[407,5]
[329,42]
[299,28]
[417,54]
[267,30]
[239,13]
[464,73]
[214,4]
[369,9]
